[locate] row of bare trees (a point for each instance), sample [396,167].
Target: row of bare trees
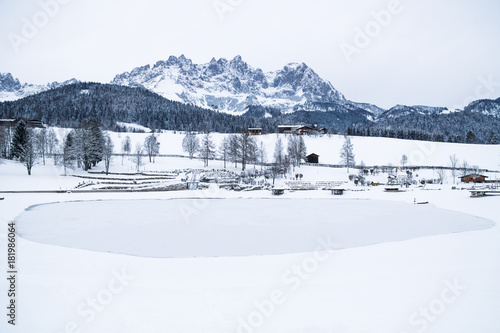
[243,149]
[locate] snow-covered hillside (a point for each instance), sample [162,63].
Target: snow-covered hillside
[371,151]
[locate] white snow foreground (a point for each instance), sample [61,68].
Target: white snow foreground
[446,282]
[424,268]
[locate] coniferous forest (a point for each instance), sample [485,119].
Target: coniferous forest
[70,105]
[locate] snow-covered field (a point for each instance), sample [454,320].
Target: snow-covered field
[308,261]
[372,151]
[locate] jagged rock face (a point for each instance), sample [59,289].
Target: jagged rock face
[232,86]
[11,89]
[8,83]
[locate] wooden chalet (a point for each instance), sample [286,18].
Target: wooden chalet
[312,158]
[288,128]
[255,131]
[305,130]
[473,178]
[34,123]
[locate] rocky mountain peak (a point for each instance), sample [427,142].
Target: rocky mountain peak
[230,85]
[8,83]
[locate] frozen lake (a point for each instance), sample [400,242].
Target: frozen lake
[233,227]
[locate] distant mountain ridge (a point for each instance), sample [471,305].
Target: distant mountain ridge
[11,89]
[110,104]
[233,86]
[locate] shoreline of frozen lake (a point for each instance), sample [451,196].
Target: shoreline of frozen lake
[183,228]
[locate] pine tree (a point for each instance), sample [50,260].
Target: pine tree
[23,145]
[96,142]
[470,137]
[19,140]
[28,151]
[492,139]
[69,151]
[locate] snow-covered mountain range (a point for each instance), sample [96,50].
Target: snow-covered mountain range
[232,85]
[11,89]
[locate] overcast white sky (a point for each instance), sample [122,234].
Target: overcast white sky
[429,52]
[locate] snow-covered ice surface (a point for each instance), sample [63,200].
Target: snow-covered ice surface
[176,228]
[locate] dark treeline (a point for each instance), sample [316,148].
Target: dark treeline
[73,104]
[459,127]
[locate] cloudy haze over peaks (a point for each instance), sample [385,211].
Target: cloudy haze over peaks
[381,52]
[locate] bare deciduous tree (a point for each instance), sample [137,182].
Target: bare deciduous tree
[152,146]
[207,149]
[465,168]
[347,154]
[404,160]
[262,155]
[453,166]
[441,174]
[41,143]
[224,150]
[126,147]
[190,144]
[247,149]
[296,149]
[137,156]
[107,152]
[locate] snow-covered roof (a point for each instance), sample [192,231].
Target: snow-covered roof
[475,175]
